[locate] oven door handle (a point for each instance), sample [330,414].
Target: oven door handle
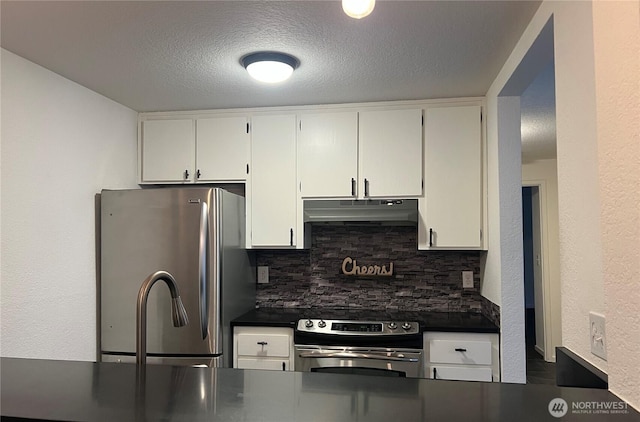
[349,355]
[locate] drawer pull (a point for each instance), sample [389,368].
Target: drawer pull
[460,350]
[264,343]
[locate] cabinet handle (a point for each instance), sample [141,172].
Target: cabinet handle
[460,349]
[291,237]
[430,237]
[283,367]
[262,343]
[353,187]
[435,375]
[366,187]
[198,174]
[186,174]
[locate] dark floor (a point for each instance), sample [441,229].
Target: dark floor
[538,370]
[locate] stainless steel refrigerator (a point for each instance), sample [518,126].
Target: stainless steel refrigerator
[195,234]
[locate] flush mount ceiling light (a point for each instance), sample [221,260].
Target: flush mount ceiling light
[358,9]
[269,67]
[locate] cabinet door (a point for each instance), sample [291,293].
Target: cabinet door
[451,210]
[460,351]
[168,151]
[263,363]
[222,149]
[273,181]
[263,348]
[328,155]
[460,373]
[261,344]
[390,153]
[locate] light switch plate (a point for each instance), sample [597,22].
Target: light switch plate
[467,279]
[263,275]
[597,336]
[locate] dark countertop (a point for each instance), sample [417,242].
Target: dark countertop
[88,391]
[429,321]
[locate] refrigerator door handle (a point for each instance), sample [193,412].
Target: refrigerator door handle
[203,252]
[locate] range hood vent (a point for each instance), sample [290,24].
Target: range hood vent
[387,212]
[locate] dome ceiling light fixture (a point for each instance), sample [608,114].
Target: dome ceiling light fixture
[358,9]
[270,67]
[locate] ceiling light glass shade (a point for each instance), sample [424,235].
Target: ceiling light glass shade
[270,67]
[358,9]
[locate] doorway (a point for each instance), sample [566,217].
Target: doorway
[533,273]
[536,337]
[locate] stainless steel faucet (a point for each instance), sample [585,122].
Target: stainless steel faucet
[178,313]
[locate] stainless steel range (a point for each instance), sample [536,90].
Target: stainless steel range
[384,348]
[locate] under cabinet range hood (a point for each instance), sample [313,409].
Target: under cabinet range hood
[385,211]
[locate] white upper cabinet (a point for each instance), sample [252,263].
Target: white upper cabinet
[273,181]
[167,151]
[194,151]
[222,149]
[359,151]
[451,210]
[390,143]
[328,154]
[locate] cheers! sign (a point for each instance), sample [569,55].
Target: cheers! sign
[351,267]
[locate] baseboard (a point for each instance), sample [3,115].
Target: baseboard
[539,350]
[574,371]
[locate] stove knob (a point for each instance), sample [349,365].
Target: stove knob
[322,324]
[406,326]
[393,325]
[308,324]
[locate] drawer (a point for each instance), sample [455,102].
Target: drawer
[263,345]
[459,373]
[470,352]
[262,363]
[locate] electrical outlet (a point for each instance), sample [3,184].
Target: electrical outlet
[467,279]
[263,275]
[597,336]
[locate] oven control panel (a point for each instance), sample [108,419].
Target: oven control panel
[369,328]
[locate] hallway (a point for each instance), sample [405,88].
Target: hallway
[538,370]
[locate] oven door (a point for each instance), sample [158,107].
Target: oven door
[359,360]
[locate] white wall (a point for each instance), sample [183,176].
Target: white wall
[578,194]
[596,120]
[61,144]
[616,29]
[544,173]
[503,278]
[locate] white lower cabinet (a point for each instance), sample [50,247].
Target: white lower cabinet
[263,348]
[459,373]
[462,356]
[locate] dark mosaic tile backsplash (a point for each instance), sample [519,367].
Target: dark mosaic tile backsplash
[422,280]
[490,310]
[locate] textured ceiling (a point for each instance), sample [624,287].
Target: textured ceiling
[179,55]
[538,111]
